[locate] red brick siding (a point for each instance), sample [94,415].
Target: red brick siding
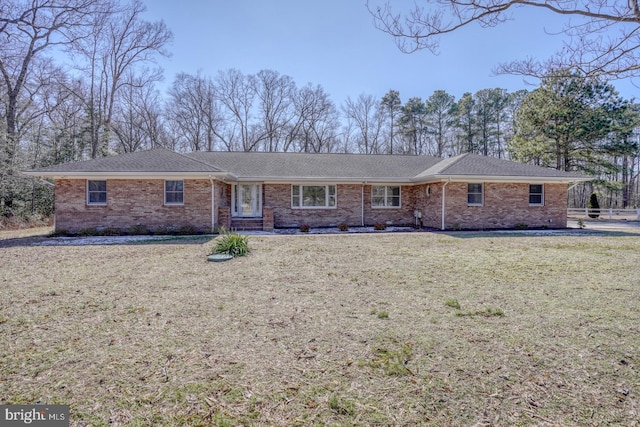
[409,199]
[348,208]
[141,202]
[132,202]
[505,205]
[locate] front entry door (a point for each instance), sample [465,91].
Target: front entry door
[247,200]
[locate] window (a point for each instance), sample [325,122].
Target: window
[313,196]
[96,192]
[536,194]
[474,194]
[174,192]
[384,196]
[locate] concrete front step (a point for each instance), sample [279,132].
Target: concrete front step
[247,224]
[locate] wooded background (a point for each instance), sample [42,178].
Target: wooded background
[110,102]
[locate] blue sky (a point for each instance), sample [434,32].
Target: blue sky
[333,43]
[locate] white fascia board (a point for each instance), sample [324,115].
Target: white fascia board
[127,175]
[491,178]
[324,180]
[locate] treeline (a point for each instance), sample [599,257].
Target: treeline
[108,102]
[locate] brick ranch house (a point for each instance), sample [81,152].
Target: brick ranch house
[160,189]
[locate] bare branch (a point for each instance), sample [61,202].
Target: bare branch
[601,37]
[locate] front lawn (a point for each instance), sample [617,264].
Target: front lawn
[369,329]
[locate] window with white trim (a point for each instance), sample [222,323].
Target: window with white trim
[313,196]
[174,192]
[385,196]
[96,192]
[536,194]
[475,194]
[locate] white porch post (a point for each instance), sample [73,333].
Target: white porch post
[444,197]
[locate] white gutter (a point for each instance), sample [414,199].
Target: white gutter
[362,203]
[444,194]
[510,179]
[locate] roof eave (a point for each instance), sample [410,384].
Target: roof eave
[502,178]
[323,179]
[126,175]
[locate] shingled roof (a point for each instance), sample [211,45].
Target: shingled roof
[287,167]
[321,166]
[473,165]
[158,161]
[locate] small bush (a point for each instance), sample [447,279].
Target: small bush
[379,226]
[138,230]
[232,243]
[187,230]
[521,226]
[594,206]
[87,232]
[343,226]
[304,228]
[109,232]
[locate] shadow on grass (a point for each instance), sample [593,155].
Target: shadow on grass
[45,240]
[540,233]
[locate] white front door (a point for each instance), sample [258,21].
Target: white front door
[247,200]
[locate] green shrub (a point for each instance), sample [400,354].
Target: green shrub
[343,226]
[187,230]
[521,226]
[232,243]
[110,232]
[594,206]
[304,228]
[138,230]
[88,232]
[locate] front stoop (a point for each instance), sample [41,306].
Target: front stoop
[247,224]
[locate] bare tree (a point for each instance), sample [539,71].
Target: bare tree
[316,127]
[29,28]
[120,42]
[275,105]
[366,117]
[601,37]
[194,109]
[235,91]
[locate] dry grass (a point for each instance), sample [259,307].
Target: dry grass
[328,330]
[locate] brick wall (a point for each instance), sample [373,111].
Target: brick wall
[130,203]
[505,205]
[348,208]
[141,202]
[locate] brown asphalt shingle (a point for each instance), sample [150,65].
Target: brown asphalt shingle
[262,166]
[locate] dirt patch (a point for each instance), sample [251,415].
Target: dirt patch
[371,329]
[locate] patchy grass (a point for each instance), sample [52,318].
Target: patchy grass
[154,334]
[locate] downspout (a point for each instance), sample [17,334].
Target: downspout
[362,203]
[444,196]
[213,205]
